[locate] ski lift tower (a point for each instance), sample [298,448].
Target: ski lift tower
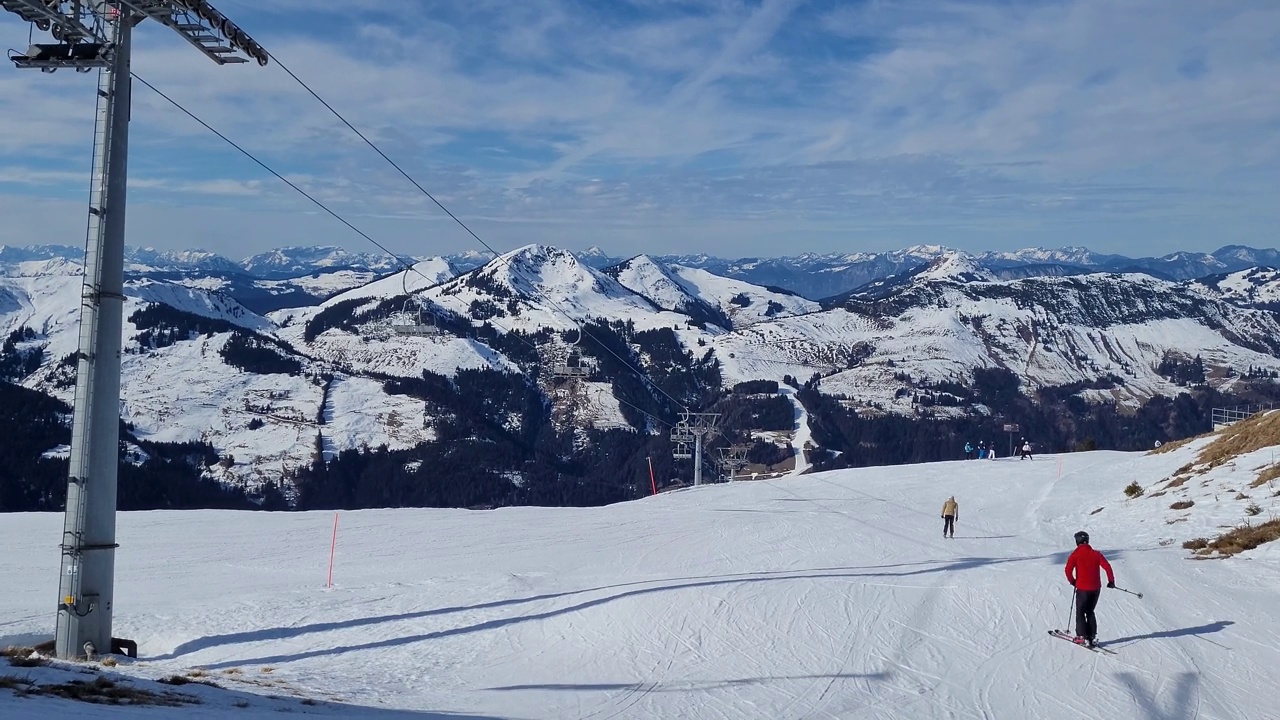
[700,426]
[88,35]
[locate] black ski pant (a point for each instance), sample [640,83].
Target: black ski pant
[948,525]
[1086,623]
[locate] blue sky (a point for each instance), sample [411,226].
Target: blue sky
[768,127]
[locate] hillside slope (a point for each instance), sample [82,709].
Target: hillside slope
[829,595]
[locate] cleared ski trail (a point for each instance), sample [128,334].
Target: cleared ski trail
[832,595]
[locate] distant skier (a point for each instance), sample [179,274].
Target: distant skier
[1083,574]
[1026,451]
[991,454]
[968,451]
[982,450]
[950,513]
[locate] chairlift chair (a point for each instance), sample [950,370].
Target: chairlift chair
[419,328]
[576,366]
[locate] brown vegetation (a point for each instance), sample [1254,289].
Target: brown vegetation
[1239,539]
[1182,504]
[99,691]
[1267,475]
[1260,431]
[23,657]
[1133,489]
[1177,482]
[1175,444]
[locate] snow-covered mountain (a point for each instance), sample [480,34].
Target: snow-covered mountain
[705,296]
[200,364]
[1109,333]
[291,262]
[1255,287]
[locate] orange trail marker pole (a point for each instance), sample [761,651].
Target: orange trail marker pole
[333,546]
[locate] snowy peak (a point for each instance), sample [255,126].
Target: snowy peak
[294,261]
[705,296]
[141,260]
[596,258]
[955,266]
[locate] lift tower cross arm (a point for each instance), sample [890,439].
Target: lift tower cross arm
[88,35]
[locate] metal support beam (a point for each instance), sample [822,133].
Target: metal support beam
[89,530]
[96,34]
[699,425]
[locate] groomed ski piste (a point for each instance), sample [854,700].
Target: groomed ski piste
[830,595]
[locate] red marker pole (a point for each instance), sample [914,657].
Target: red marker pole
[333,546]
[652,481]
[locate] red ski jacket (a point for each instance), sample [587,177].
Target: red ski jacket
[1082,568]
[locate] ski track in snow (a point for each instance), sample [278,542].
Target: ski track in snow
[829,595]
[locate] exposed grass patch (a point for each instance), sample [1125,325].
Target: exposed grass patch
[103,691]
[241,703]
[1196,543]
[1177,482]
[267,670]
[189,679]
[1260,431]
[1133,489]
[1175,444]
[1182,504]
[1267,475]
[1238,539]
[1241,496]
[23,657]
[1253,509]
[232,671]
[109,662]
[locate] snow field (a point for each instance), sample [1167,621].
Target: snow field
[821,596]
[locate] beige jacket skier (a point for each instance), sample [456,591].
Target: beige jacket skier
[951,507]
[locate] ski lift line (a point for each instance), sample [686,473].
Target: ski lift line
[407,265]
[463,225]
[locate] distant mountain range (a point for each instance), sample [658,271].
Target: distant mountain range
[812,276]
[466,366]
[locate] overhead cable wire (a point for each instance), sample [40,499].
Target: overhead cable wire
[497,256]
[408,266]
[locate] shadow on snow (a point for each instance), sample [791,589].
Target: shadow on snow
[876,571]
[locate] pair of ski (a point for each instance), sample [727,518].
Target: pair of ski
[1071,639]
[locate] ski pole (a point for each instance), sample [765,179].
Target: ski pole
[1129,591]
[1070,611]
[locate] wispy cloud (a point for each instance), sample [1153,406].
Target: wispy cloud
[760,127]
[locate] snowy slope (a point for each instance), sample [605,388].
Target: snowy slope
[187,392]
[680,288]
[827,595]
[1255,286]
[1050,331]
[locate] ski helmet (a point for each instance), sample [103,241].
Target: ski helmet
[1082,538]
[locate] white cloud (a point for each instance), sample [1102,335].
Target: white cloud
[1032,120]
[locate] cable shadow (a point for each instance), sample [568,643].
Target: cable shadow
[1181,700]
[282,633]
[678,584]
[1212,627]
[687,686]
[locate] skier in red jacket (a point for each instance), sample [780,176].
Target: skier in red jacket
[1083,573]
